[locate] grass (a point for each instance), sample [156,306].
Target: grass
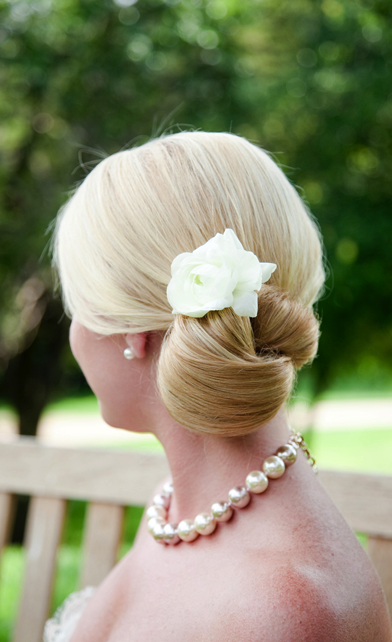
[367,450]
[89,404]
[346,395]
[83,405]
[370,381]
[12,566]
[364,451]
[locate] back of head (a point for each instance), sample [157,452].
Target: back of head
[136,211]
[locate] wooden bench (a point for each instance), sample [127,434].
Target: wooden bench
[110,480]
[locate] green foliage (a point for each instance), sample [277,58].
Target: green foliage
[307,80]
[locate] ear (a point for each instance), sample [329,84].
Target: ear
[138,343]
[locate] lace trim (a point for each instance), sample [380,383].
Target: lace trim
[63,623]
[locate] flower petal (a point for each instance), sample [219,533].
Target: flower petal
[250,274]
[245,304]
[232,240]
[267,269]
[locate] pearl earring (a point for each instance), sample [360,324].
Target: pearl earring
[129,353]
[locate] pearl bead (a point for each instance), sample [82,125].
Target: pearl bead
[274,467]
[153,521]
[168,487]
[221,511]
[158,533]
[257,482]
[162,499]
[186,530]
[239,497]
[156,511]
[205,523]
[170,534]
[288,453]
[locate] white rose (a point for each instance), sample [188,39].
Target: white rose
[219,274]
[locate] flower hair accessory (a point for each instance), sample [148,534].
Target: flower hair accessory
[217,275]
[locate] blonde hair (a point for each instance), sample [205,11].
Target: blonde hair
[136,211]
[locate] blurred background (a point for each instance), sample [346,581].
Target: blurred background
[308,80]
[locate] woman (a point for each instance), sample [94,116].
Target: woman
[190,267]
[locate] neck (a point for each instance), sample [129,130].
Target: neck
[205,467]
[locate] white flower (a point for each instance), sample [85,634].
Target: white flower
[219,274]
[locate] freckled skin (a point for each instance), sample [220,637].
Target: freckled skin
[286,568]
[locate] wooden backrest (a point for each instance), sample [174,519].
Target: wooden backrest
[109,481]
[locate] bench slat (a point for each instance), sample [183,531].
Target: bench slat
[101,542]
[30,468]
[380,552]
[365,501]
[44,527]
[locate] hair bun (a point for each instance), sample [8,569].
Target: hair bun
[285,327]
[216,377]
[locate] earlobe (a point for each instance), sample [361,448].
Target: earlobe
[137,343]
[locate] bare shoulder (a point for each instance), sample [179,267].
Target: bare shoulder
[304,603]
[300,606]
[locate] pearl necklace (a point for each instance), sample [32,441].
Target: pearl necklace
[205,523]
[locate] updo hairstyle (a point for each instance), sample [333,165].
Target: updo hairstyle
[117,236]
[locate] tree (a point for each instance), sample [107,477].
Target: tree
[306,80]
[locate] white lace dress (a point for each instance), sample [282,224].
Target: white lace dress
[63,623]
